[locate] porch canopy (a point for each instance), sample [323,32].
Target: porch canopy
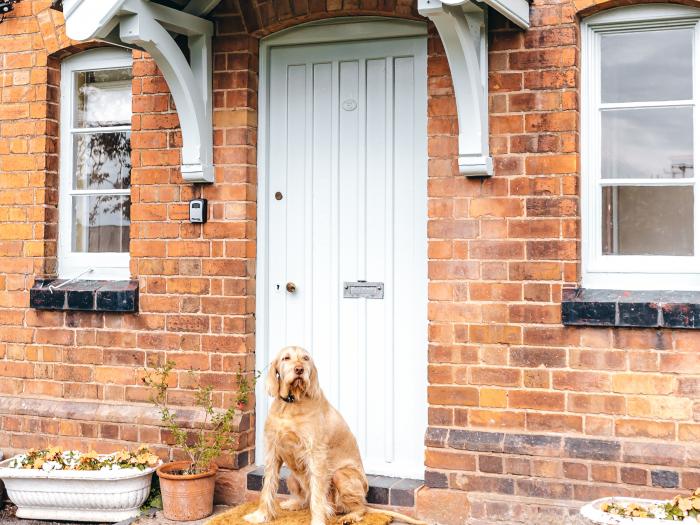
[152,25]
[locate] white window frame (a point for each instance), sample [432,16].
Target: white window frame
[633,272]
[84,265]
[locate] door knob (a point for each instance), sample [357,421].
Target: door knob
[291,287]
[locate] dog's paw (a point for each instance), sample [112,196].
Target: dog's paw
[315,521]
[292,504]
[352,518]
[255,517]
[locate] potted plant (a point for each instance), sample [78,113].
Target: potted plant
[187,487]
[53,484]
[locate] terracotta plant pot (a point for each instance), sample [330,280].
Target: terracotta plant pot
[186,497]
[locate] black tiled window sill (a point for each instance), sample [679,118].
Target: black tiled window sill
[91,296]
[653,309]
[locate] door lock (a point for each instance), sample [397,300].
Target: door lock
[291,287]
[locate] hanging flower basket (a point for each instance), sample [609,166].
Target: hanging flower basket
[56,485]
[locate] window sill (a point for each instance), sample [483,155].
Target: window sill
[89,296]
[652,309]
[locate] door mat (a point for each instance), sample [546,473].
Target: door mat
[289,517]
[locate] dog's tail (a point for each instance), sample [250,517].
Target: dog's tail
[397,515]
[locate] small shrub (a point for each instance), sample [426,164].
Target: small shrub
[214,432]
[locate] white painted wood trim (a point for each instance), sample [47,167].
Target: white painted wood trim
[201,7]
[262,264]
[517,11]
[113,266]
[634,272]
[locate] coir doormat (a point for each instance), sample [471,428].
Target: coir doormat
[288,517]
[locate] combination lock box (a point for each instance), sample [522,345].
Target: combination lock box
[198,211]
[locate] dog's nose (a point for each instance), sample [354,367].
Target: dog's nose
[298,370]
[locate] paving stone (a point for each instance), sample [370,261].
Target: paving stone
[379,487]
[403,493]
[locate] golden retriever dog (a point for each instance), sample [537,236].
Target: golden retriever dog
[310,436]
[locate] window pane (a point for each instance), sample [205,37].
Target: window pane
[648,220]
[651,143]
[647,65]
[102,161]
[103,98]
[101,223]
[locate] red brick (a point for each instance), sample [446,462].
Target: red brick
[500,251]
[536,400]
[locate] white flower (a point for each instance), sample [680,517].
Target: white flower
[18,462]
[658,512]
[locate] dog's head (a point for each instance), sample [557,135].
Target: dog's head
[292,375]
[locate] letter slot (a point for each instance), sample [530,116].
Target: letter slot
[363,289]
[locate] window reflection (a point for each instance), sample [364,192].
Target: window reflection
[648,220]
[645,66]
[650,143]
[101,223]
[103,98]
[102,161]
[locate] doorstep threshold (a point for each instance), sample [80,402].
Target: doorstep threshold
[383,490]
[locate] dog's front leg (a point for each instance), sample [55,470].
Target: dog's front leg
[319,484]
[267,510]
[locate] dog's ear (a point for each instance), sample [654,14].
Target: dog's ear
[272,382]
[314,389]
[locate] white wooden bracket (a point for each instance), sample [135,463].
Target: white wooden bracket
[462,28]
[150,26]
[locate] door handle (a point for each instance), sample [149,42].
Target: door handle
[291,287]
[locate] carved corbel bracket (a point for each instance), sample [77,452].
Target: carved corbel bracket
[462,28]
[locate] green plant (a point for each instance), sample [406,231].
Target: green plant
[155,499]
[55,458]
[214,432]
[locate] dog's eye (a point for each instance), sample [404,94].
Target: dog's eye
[285,358]
[306,358]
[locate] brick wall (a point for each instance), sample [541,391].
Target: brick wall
[524,413]
[531,418]
[196,282]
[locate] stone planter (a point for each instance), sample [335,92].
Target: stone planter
[592,511]
[75,495]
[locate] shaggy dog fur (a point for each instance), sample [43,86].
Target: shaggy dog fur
[307,434]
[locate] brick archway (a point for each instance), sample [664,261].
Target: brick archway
[269,16]
[586,8]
